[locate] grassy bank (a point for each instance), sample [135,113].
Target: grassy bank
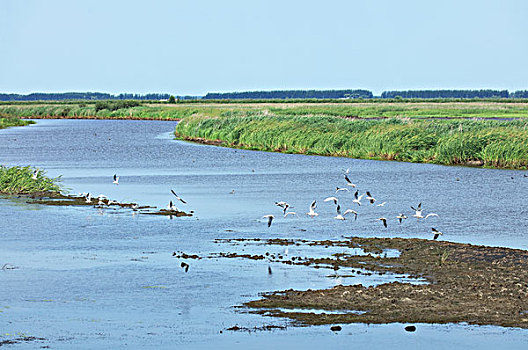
[492,143]
[488,133]
[8,122]
[361,109]
[19,180]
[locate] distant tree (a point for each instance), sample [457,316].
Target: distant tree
[172,99]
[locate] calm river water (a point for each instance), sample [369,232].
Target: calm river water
[90,278]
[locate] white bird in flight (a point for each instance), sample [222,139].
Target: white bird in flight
[312,212]
[381,204]
[384,220]
[270,218]
[116,179]
[356,198]
[290,213]
[331,199]
[351,211]
[436,233]
[401,217]
[339,216]
[178,197]
[418,211]
[341,189]
[370,198]
[431,215]
[349,183]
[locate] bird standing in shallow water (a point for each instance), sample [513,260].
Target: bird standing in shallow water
[185,266]
[35,174]
[116,180]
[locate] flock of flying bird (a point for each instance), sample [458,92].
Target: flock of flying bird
[135,207]
[418,211]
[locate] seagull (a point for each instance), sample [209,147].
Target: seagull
[401,217]
[270,218]
[185,266]
[290,213]
[135,206]
[357,199]
[430,214]
[285,208]
[312,212]
[281,204]
[436,233]
[351,211]
[178,197]
[88,197]
[370,198]
[347,171]
[341,189]
[331,199]
[418,215]
[269,270]
[384,220]
[35,174]
[381,205]
[116,179]
[349,183]
[172,207]
[339,216]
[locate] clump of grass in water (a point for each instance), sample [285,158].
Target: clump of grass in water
[10,121]
[19,180]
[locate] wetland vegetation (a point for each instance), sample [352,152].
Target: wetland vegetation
[486,133]
[18,180]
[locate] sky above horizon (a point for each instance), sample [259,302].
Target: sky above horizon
[195,47]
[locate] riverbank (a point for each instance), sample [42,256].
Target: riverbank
[488,143]
[460,283]
[475,133]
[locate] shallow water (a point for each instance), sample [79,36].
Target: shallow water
[98,279]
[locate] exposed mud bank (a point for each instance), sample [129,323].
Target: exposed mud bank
[467,283]
[463,283]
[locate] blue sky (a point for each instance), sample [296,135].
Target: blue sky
[194,47]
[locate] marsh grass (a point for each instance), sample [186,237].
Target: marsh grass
[19,180]
[495,143]
[8,122]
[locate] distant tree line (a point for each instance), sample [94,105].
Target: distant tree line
[519,94]
[80,96]
[286,94]
[446,94]
[269,95]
